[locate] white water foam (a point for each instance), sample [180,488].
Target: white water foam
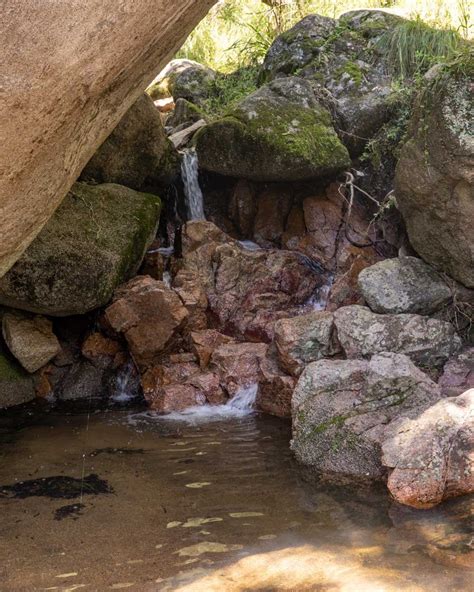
[320,299]
[250,245]
[241,405]
[124,392]
[192,190]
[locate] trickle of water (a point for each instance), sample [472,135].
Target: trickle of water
[320,299]
[192,190]
[167,279]
[241,405]
[124,392]
[250,245]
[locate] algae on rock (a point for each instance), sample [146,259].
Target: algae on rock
[95,241]
[278,133]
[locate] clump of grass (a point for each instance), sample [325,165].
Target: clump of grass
[228,89]
[413,47]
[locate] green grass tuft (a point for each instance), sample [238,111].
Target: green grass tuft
[413,47]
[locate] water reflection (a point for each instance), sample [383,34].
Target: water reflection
[210,506]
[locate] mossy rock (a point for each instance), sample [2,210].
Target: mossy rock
[342,61]
[279,133]
[16,385]
[137,153]
[95,240]
[183,79]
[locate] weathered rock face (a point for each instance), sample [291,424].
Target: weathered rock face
[278,133]
[95,241]
[340,57]
[148,314]
[275,389]
[203,343]
[431,457]
[403,285]
[137,152]
[458,374]
[102,351]
[30,340]
[434,180]
[16,386]
[247,291]
[342,410]
[52,122]
[304,339]
[426,341]
[183,79]
[238,364]
[83,381]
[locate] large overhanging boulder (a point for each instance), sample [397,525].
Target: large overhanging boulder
[67,80]
[435,176]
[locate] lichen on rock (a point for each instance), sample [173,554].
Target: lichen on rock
[278,133]
[96,240]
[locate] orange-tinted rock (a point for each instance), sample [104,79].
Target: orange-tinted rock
[174,397]
[431,457]
[181,358]
[295,228]
[189,288]
[246,290]
[149,314]
[242,207]
[43,386]
[273,207]
[275,389]
[208,384]
[205,342]
[323,220]
[351,261]
[165,374]
[154,263]
[238,364]
[254,288]
[30,339]
[101,350]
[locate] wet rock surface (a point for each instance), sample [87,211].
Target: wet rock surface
[247,290]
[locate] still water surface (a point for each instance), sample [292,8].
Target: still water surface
[125,501]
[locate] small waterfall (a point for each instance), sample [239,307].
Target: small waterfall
[192,190]
[244,399]
[125,385]
[242,404]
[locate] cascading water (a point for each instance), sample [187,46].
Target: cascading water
[124,385]
[241,405]
[192,190]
